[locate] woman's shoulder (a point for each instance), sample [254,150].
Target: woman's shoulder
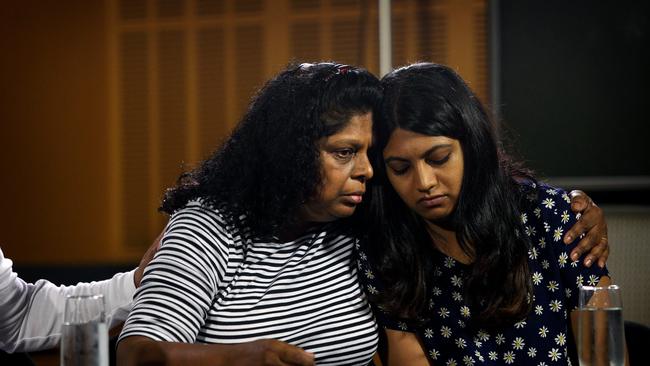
[202,210]
[541,195]
[546,213]
[202,219]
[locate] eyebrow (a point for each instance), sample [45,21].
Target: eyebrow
[346,141]
[428,152]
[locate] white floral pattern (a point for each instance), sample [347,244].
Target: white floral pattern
[539,339]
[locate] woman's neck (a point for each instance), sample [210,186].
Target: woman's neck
[295,230]
[445,240]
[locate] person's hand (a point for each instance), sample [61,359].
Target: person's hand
[140,350]
[592,224]
[146,258]
[269,352]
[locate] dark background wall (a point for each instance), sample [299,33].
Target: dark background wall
[574,81]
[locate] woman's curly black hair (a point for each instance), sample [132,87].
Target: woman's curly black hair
[270,165]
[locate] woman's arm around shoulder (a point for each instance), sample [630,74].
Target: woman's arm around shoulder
[138,350]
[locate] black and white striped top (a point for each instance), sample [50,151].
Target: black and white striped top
[210,282]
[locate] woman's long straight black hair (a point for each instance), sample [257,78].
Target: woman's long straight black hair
[433,100]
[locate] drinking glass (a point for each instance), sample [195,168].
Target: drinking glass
[84,334]
[601,339]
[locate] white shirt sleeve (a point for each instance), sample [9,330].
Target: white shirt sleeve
[31,315]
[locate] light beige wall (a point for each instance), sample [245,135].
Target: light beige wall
[629,237]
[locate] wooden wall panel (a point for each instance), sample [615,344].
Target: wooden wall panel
[132,9]
[173,108]
[249,63]
[305,41]
[170,8]
[53,132]
[481,81]
[118,94]
[212,94]
[345,41]
[135,138]
[210,7]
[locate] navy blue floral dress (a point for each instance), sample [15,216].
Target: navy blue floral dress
[543,337]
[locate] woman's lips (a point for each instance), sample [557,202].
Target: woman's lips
[354,198]
[434,201]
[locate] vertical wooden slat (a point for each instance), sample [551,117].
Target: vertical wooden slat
[300,5]
[276,28]
[210,7]
[114,129]
[211,94]
[132,9]
[460,37]
[250,64]
[398,27]
[371,41]
[431,32]
[192,145]
[438,50]
[134,63]
[172,106]
[344,3]
[170,8]
[305,41]
[326,30]
[345,41]
[155,162]
[248,6]
[481,57]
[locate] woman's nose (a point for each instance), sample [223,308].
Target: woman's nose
[426,179]
[363,168]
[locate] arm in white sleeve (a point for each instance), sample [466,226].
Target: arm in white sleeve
[31,315]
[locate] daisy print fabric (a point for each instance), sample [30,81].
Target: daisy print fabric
[543,338]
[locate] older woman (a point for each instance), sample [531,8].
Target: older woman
[257,248]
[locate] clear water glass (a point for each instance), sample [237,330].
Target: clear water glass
[601,337]
[84,334]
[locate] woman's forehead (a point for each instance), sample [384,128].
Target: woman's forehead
[358,127]
[406,141]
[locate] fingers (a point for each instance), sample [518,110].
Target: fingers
[574,232]
[579,201]
[592,218]
[277,353]
[603,258]
[597,246]
[292,355]
[156,243]
[594,241]
[151,251]
[146,258]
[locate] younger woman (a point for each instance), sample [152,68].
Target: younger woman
[469,266]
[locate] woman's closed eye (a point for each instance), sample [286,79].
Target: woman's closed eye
[436,160]
[398,168]
[344,154]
